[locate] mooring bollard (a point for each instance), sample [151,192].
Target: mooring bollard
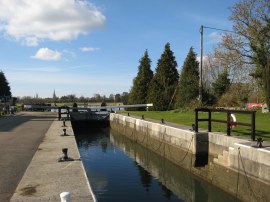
[65,132]
[193,127]
[65,157]
[65,151]
[162,121]
[259,142]
[65,197]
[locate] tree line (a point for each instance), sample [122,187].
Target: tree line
[72,98]
[5,91]
[165,88]
[237,71]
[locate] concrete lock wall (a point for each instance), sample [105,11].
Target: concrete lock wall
[174,144]
[229,163]
[240,154]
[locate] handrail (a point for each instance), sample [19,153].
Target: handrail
[228,121]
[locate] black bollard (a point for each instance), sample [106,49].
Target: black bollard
[65,132]
[64,122]
[162,121]
[65,157]
[65,151]
[259,142]
[193,127]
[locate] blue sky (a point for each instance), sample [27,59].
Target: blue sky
[87,47]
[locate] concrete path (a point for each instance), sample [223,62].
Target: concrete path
[45,177]
[20,136]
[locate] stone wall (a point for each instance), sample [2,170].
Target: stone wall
[230,163]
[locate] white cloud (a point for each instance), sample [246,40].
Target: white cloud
[88,49]
[215,36]
[47,54]
[31,22]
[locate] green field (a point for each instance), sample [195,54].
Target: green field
[188,118]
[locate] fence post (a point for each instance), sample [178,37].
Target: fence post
[68,113]
[253,125]
[196,120]
[209,120]
[59,113]
[228,123]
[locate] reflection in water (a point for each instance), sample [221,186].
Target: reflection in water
[122,170]
[146,177]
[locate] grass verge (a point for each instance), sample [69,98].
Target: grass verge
[188,118]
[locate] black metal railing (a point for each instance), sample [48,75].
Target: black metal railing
[229,122]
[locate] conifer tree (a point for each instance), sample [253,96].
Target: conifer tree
[4,85]
[188,88]
[164,82]
[221,84]
[141,82]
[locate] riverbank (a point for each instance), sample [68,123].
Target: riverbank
[45,177]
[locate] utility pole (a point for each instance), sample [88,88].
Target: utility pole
[201,64]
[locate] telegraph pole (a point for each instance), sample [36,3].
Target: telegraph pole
[201,64]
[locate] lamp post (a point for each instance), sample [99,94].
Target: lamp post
[201,63]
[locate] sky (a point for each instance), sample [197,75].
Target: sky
[87,47]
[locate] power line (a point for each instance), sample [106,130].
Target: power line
[224,30]
[201,55]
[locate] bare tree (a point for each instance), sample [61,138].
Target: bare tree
[243,52]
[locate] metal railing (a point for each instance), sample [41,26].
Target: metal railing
[229,121]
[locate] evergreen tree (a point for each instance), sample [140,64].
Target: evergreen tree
[188,88]
[138,92]
[222,84]
[164,82]
[4,85]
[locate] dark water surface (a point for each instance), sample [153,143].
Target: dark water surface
[121,170]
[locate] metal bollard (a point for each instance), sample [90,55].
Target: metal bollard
[65,157]
[65,151]
[64,122]
[65,197]
[65,132]
[259,142]
[162,121]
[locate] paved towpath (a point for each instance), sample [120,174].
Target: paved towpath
[45,178]
[20,136]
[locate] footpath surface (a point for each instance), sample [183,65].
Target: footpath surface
[45,178]
[20,136]
[30,146]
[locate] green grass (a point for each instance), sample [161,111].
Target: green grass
[188,118]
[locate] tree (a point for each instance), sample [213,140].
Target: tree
[267,83]
[141,82]
[222,84]
[124,97]
[117,97]
[188,88]
[251,37]
[164,82]
[4,85]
